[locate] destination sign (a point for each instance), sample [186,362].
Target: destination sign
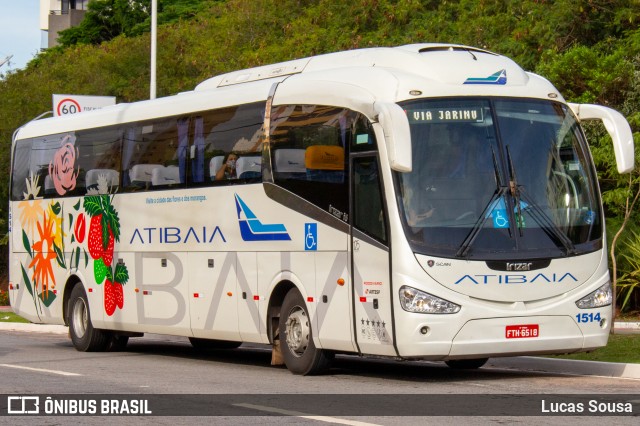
[446,115]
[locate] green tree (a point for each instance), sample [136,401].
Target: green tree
[107,19]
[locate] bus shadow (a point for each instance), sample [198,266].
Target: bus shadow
[344,365]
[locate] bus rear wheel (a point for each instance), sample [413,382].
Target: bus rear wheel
[85,338]
[466,364]
[298,350]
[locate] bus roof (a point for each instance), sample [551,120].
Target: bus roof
[354,79]
[430,68]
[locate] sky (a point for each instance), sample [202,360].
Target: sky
[19,32]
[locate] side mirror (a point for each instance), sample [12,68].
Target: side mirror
[397,135]
[617,127]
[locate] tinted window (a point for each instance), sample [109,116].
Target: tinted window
[170,152]
[498,175]
[309,152]
[368,210]
[230,141]
[21,186]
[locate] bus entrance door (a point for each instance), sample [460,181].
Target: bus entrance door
[370,252]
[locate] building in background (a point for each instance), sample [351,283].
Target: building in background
[58,15]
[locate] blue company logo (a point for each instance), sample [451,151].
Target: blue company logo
[311,236]
[516,278]
[252,229]
[499,77]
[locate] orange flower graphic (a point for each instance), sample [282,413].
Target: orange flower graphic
[43,255]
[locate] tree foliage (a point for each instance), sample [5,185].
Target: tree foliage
[589,49]
[107,19]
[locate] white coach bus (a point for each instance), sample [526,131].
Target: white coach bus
[426,201]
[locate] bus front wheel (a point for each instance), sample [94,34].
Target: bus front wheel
[298,350]
[85,338]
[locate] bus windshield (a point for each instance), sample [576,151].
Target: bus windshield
[496,177]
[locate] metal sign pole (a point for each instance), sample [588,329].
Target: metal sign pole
[154,31]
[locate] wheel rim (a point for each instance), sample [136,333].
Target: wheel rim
[297,331]
[80,318]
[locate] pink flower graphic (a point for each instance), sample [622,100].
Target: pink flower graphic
[61,169]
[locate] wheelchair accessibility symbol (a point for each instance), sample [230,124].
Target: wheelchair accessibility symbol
[311,236]
[500,219]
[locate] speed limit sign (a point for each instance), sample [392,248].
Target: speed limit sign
[67,106]
[74,104]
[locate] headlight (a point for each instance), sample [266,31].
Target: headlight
[414,300]
[601,297]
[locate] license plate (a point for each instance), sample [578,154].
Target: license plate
[522,331]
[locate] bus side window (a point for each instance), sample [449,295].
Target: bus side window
[23,185]
[309,148]
[54,160]
[99,160]
[232,131]
[154,154]
[368,215]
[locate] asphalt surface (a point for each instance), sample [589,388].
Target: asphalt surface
[549,365]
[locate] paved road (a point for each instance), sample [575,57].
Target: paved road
[242,387]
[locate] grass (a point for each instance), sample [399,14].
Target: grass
[621,348]
[11,317]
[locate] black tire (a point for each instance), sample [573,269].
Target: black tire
[467,364]
[85,338]
[296,338]
[199,343]
[118,343]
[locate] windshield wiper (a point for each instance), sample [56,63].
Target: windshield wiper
[514,189]
[500,191]
[547,224]
[518,193]
[541,218]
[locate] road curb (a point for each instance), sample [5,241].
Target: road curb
[568,366]
[620,327]
[34,328]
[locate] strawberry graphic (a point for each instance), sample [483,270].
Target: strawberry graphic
[113,289]
[109,297]
[120,278]
[119,294]
[104,231]
[100,271]
[107,254]
[97,249]
[95,237]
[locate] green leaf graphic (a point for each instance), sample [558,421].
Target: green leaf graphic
[56,208]
[59,256]
[112,217]
[77,206]
[105,231]
[77,257]
[70,221]
[93,205]
[27,281]
[25,242]
[122,274]
[47,297]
